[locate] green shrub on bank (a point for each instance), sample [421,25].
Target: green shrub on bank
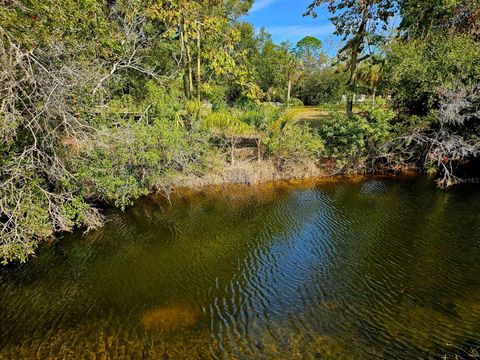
[262,116]
[33,210]
[294,142]
[28,209]
[123,163]
[351,141]
[226,122]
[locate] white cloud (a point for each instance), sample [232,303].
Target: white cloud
[261,4]
[301,30]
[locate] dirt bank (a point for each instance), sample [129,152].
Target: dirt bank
[250,173]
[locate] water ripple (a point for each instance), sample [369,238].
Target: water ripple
[379,268]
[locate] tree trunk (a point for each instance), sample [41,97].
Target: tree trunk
[289,90]
[184,59]
[356,46]
[351,81]
[188,77]
[199,61]
[189,71]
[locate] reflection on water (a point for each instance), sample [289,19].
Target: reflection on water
[378,268]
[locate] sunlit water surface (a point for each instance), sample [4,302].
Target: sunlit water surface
[377,268]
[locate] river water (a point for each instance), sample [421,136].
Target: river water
[377,268]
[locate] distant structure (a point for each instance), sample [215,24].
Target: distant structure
[356,98]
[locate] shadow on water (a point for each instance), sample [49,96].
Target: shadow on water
[373,268]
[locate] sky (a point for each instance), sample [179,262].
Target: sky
[285,21]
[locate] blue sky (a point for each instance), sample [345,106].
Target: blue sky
[285,21]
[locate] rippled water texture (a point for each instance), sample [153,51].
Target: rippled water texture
[378,268]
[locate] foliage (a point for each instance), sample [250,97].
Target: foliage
[120,164]
[294,143]
[295,102]
[262,117]
[421,17]
[359,23]
[349,15]
[31,213]
[445,139]
[352,141]
[310,52]
[226,122]
[417,68]
[43,74]
[321,86]
[309,47]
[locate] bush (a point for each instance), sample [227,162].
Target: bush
[245,103]
[216,94]
[417,68]
[295,102]
[350,141]
[445,140]
[262,117]
[124,163]
[226,122]
[322,86]
[32,211]
[294,142]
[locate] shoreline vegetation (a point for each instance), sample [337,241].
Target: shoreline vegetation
[103,102]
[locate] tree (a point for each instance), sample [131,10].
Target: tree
[417,68]
[369,74]
[421,17]
[46,78]
[451,138]
[202,28]
[268,63]
[322,85]
[358,23]
[290,63]
[309,50]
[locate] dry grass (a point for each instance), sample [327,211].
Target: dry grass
[307,113]
[313,113]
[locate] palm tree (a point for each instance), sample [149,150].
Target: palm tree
[369,75]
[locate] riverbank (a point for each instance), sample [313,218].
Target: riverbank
[253,176]
[250,173]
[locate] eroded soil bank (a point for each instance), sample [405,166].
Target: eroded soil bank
[268,172]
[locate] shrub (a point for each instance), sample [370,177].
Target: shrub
[321,86]
[294,142]
[162,101]
[245,103]
[295,102]
[32,211]
[262,117]
[446,139]
[226,122]
[216,94]
[350,141]
[123,163]
[417,68]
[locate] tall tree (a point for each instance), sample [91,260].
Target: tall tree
[309,50]
[369,75]
[421,17]
[201,28]
[358,23]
